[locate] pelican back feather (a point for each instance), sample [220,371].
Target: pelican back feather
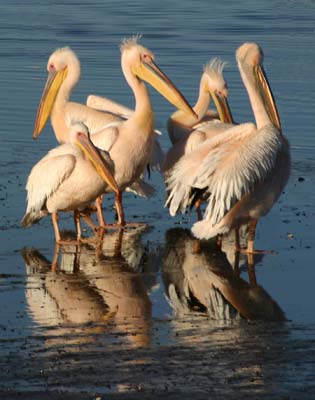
[45,178]
[226,167]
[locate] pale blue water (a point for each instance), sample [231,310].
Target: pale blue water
[226,362]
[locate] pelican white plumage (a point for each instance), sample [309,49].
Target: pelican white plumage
[212,86]
[185,133]
[130,142]
[243,170]
[69,178]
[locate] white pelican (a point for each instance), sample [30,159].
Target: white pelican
[212,85]
[130,142]
[186,133]
[243,170]
[69,177]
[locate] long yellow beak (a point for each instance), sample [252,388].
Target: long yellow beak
[151,73]
[85,144]
[267,96]
[223,108]
[51,89]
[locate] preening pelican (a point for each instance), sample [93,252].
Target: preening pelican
[212,85]
[130,142]
[243,170]
[186,133]
[69,178]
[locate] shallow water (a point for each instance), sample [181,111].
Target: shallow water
[142,319]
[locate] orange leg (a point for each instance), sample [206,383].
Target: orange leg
[98,204]
[198,209]
[76,215]
[119,208]
[54,217]
[251,236]
[88,220]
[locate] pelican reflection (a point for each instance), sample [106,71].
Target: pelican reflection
[199,277]
[86,292]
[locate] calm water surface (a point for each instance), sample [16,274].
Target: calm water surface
[137,317]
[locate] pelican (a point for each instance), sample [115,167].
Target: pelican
[243,170]
[212,85]
[69,177]
[185,133]
[129,142]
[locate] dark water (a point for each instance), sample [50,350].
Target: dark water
[138,318]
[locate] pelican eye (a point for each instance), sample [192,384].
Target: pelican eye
[51,67]
[146,58]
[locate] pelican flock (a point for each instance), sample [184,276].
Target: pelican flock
[130,142]
[238,170]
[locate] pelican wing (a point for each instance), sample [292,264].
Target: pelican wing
[105,138]
[48,174]
[226,167]
[108,105]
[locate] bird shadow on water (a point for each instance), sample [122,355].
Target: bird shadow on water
[91,288]
[198,276]
[92,309]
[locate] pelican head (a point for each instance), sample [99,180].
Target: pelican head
[139,61]
[213,82]
[58,67]
[250,55]
[79,136]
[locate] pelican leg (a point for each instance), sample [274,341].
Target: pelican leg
[251,238]
[119,208]
[88,220]
[251,235]
[98,205]
[77,222]
[54,217]
[198,209]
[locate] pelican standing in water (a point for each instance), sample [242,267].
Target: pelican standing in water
[130,142]
[68,178]
[243,170]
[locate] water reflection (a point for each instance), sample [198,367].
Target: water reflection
[199,277]
[85,291]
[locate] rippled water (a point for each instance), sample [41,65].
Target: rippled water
[144,319]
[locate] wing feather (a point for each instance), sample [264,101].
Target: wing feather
[105,138]
[227,167]
[104,104]
[45,178]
